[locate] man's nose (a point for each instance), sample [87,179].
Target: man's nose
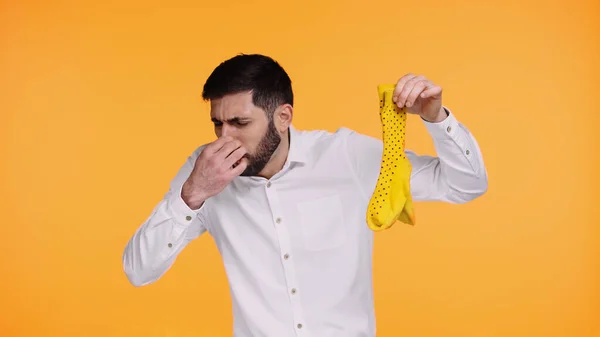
[226,130]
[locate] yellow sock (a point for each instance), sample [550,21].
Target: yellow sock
[391,200]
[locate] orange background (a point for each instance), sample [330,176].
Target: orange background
[100,105]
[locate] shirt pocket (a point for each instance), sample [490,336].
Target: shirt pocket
[322,223]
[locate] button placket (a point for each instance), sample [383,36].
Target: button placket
[283,235]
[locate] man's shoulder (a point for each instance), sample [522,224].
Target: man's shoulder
[321,136]
[337,144]
[341,136]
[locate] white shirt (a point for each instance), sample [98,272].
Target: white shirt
[296,248]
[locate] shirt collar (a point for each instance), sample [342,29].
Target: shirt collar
[297,152]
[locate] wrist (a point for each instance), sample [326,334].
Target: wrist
[437,118]
[191,196]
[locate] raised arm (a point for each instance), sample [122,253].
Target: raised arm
[180,216]
[172,224]
[456,174]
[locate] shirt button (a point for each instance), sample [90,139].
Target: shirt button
[188,218]
[286,256]
[293,291]
[467,152]
[170,245]
[278,220]
[448,129]
[299,326]
[269,184]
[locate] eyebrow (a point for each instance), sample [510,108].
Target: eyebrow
[232,120]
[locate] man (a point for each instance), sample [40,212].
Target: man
[287,208]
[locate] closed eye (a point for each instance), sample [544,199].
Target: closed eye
[236,121]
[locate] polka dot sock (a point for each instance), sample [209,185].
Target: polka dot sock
[391,201]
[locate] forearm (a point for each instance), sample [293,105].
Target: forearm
[459,167]
[153,248]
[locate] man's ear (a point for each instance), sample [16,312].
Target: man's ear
[283,117]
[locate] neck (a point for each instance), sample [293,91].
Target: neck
[278,159]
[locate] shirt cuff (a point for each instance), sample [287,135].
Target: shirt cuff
[444,129]
[181,211]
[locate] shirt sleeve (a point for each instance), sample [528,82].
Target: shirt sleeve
[456,174]
[171,226]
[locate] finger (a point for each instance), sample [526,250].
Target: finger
[234,157]
[400,85]
[239,169]
[227,149]
[217,144]
[415,92]
[432,91]
[407,89]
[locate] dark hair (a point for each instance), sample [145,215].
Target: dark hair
[270,84]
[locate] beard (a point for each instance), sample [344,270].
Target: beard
[264,151]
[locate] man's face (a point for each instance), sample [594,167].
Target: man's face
[235,115]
